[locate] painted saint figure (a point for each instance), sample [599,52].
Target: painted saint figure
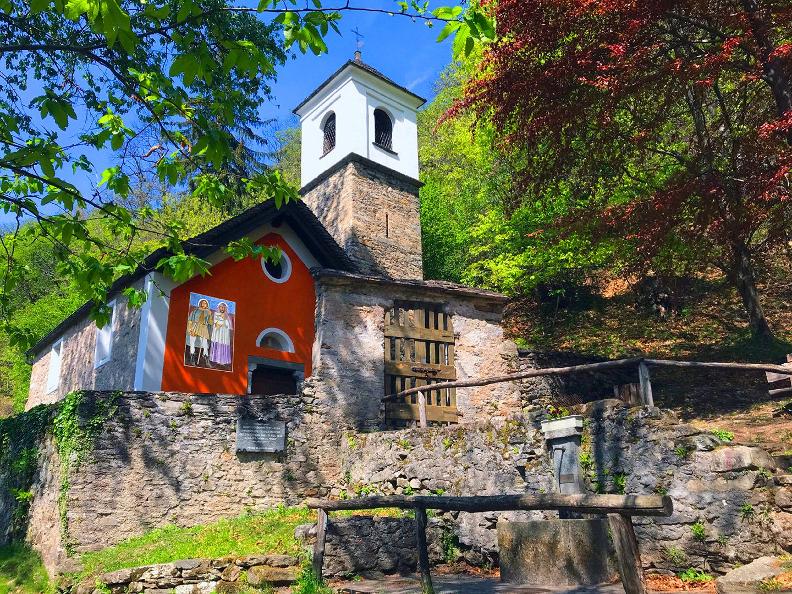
[221,336]
[199,327]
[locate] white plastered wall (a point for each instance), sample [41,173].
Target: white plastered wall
[353,96]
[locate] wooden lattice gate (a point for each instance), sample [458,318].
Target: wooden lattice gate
[419,351]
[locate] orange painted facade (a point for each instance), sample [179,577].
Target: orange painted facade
[260,303]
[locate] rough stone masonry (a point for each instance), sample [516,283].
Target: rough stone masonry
[170,458]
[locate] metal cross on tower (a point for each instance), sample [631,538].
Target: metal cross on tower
[358,39]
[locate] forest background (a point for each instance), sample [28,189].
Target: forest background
[573,286]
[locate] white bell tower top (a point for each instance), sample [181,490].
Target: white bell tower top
[359,110]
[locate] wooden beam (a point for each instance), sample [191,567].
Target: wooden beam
[627,552]
[423,550]
[713,365]
[520,375]
[485,381]
[422,410]
[637,505]
[319,545]
[645,384]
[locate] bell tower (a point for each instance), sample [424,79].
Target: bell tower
[359,168]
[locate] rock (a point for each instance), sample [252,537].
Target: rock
[122,576]
[223,587]
[262,575]
[747,579]
[705,442]
[735,458]
[199,588]
[305,533]
[578,549]
[231,573]
[602,407]
[188,563]
[156,573]
[280,560]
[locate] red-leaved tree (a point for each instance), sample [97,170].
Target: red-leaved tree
[669,123]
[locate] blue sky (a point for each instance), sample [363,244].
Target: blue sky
[403,50]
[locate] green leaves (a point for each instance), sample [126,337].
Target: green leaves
[59,107]
[474,27]
[245,248]
[308,30]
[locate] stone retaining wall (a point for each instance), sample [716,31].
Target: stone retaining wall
[731,503]
[196,576]
[171,459]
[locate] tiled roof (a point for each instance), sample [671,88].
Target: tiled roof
[299,217]
[358,63]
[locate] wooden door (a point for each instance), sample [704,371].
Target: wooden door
[419,351]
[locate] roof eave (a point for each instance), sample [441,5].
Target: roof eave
[351,63]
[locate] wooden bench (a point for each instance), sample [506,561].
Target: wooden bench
[618,508]
[778,383]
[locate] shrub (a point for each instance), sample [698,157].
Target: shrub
[723,435]
[695,576]
[698,531]
[675,555]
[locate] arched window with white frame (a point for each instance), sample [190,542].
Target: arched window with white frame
[383,129]
[329,133]
[275,339]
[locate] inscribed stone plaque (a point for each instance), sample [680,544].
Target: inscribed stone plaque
[260,436]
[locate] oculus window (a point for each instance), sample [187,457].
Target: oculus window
[277,272]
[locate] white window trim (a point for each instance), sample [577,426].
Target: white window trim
[99,362]
[52,386]
[286,266]
[279,332]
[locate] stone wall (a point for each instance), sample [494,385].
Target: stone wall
[349,362]
[171,459]
[373,213]
[735,493]
[197,576]
[78,355]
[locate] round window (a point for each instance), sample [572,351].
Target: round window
[278,272]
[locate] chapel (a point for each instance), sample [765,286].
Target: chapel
[346,311]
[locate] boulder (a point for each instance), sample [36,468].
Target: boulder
[735,458]
[263,575]
[748,578]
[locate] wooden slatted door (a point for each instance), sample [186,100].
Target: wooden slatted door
[419,351]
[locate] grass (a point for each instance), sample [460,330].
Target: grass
[21,571]
[271,531]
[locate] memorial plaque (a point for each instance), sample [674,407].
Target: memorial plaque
[254,435]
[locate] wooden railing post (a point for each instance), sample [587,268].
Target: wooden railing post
[645,384]
[422,409]
[423,551]
[319,545]
[627,552]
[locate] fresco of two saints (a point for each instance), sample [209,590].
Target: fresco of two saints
[210,333]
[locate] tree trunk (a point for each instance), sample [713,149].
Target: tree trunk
[744,279]
[772,67]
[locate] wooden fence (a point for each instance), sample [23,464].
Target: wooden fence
[618,508]
[644,378]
